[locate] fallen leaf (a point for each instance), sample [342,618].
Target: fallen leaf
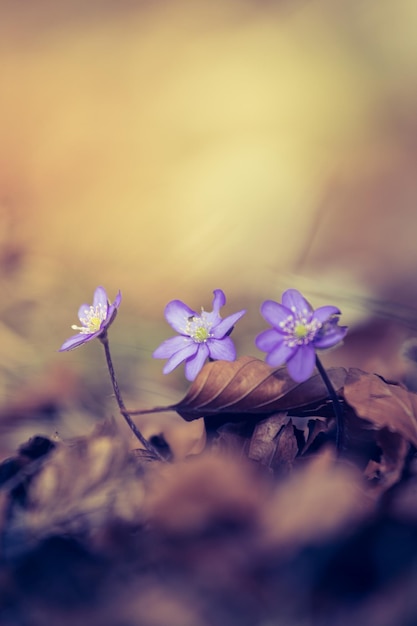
[286,450]
[385,405]
[319,425]
[386,472]
[250,386]
[263,443]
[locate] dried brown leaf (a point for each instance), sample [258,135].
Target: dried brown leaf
[383,404]
[264,439]
[320,425]
[286,449]
[250,386]
[388,470]
[274,443]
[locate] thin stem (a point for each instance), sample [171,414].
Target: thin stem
[337,408]
[148,446]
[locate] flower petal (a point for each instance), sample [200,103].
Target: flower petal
[213,317]
[324,312]
[224,326]
[294,301]
[117,300]
[110,317]
[100,298]
[275,313]
[280,354]
[268,340]
[301,365]
[171,346]
[222,349]
[177,314]
[194,364]
[83,311]
[219,300]
[331,336]
[178,357]
[75,341]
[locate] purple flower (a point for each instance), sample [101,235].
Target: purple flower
[201,335]
[297,331]
[94,318]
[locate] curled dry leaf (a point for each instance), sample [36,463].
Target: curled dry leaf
[263,442]
[383,404]
[273,443]
[387,471]
[286,450]
[248,385]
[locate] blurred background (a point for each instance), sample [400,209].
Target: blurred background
[169,148]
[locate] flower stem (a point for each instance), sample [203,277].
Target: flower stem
[337,408]
[147,445]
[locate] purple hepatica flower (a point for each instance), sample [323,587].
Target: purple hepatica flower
[94,318]
[201,335]
[297,332]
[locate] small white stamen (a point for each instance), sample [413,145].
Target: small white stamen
[198,327]
[299,329]
[91,321]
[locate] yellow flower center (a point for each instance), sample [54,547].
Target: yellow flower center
[300,331]
[198,327]
[91,321]
[201,334]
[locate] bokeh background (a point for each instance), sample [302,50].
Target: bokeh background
[168,148]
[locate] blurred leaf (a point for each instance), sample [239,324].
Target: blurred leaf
[182,438]
[318,501]
[83,485]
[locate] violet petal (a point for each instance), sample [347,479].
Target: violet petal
[171,346]
[275,313]
[225,325]
[301,365]
[324,312]
[280,354]
[268,340]
[100,298]
[294,301]
[219,300]
[330,338]
[222,349]
[74,342]
[177,314]
[178,357]
[83,311]
[194,364]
